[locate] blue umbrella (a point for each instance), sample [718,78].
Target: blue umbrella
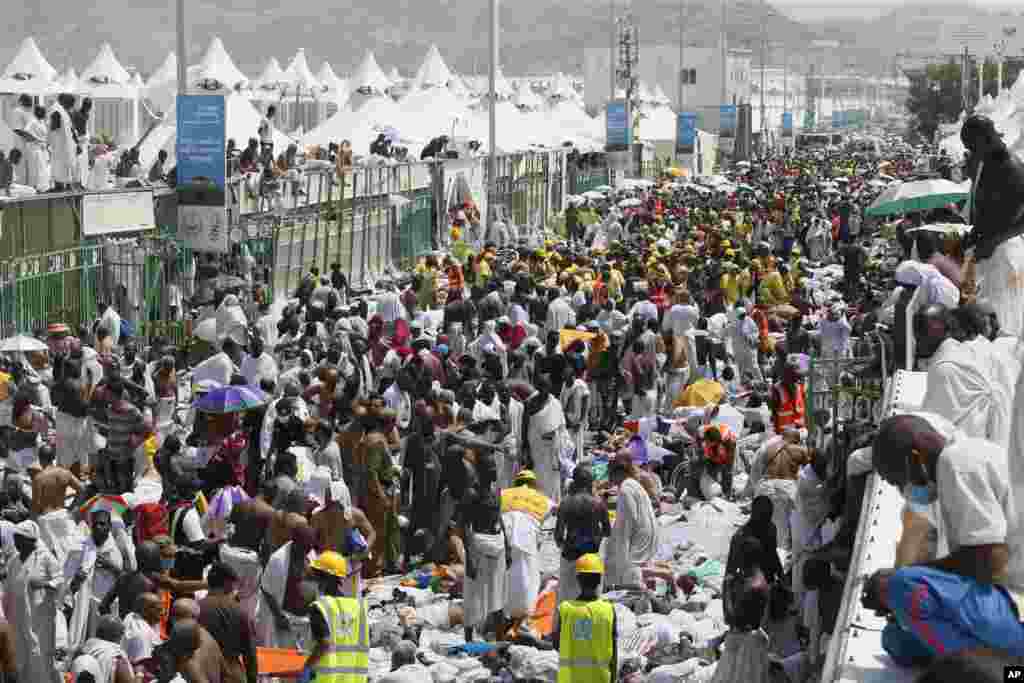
[231,399]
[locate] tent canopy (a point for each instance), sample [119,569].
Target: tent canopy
[28,72]
[216,68]
[433,72]
[299,77]
[105,78]
[369,76]
[358,127]
[271,78]
[168,71]
[105,69]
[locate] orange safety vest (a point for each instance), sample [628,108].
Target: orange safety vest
[718,453]
[790,410]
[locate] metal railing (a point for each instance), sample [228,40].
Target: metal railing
[370,220]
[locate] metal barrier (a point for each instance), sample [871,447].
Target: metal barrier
[370,220]
[59,286]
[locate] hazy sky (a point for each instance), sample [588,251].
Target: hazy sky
[809,10]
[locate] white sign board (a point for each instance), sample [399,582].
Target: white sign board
[109,213]
[204,228]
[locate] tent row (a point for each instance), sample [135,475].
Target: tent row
[30,73]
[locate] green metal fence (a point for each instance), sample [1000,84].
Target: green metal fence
[61,286]
[415,227]
[587,182]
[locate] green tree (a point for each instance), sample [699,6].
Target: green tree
[935,96]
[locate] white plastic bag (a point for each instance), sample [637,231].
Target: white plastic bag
[709,488]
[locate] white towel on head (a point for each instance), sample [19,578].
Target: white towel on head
[343,497]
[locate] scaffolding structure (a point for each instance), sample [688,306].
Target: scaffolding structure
[629,58]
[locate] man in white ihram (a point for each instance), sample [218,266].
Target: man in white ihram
[33,581]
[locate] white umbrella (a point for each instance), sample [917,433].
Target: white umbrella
[593,194]
[629,201]
[23,344]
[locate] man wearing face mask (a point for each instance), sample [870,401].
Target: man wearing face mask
[971,599]
[960,386]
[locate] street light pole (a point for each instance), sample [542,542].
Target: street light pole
[682,62]
[492,159]
[611,51]
[182,56]
[764,123]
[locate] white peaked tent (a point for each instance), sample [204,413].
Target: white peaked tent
[216,70]
[395,76]
[271,79]
[428,113]
[660,98]
[28,73]
[358,127]
[560,87]
[335,88]
[327,78]
[241,122]
[526,99]
[369,76]
[433,72]
[6,137]
[457,86]
[168,71]
[105,69]
[644,93]
[502,87]
[111,86]
[301,95]
[298,76]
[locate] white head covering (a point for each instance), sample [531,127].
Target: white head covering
[341,495]
[319,481]
[910,273]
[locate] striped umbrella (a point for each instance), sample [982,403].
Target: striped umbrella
[115,505]
[224,501]
[231,399]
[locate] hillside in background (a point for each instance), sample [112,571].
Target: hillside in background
[538,36]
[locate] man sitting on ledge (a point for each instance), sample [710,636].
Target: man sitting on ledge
[970,600]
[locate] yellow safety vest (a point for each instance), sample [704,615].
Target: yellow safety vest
[347,660]
[585,641]
[525,499]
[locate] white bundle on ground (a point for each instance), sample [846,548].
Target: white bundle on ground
[675,673]
[528,662]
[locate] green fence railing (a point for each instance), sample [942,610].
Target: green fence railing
[60,286]
[415,225]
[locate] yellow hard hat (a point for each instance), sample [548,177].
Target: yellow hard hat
[726,244]
[330,562]
[590,564]
[526,475]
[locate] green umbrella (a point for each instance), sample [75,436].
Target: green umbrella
[919,195]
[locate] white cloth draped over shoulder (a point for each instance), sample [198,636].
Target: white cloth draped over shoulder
[634,539]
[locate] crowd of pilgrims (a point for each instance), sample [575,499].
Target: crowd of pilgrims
[442,421]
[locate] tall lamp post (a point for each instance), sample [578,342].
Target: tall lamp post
[492,158]
[182,55]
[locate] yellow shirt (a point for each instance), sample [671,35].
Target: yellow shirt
[615,284]
[730,287]
[772,291]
